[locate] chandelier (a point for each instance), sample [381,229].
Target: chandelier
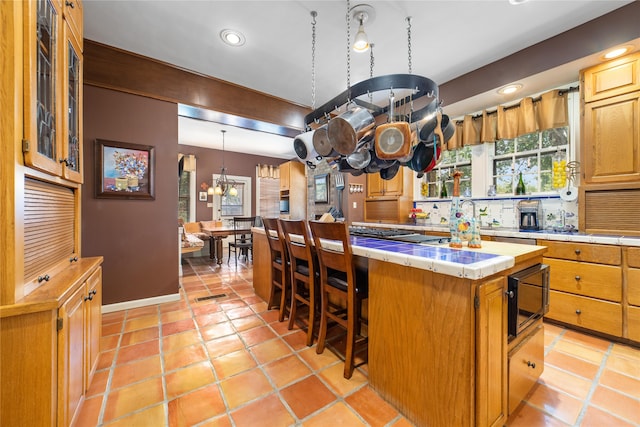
[224,186]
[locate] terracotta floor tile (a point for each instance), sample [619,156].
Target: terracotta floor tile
[174,316]
[90,412]
[625,351]
[307,396]
[137,396]
[111,328]
[113,317]
[211,319]
[224,345]
[184,356]
[232,305]
[402,422]
[623,365]
[245,387]
[270,408]
[173,306]
[556,403]
[375,410]
[195,407]
[528,416]
[297,340]
[617,404]
[595,417]
[334,376]
[270,316]
[177,327]
[217,331]
[142,311]
[204,308]
[138,351]
[233,363]
[141,335]
[238,313]
[257,335]
[105,359]
[318,361]
[336,415]
[576,386]
[258,307]
[109,343]
[579,351]
[221,421]
[286,370]
[271,350]
[138,370]
[245,323]
[182,339]
[153,416]
[189,378]
[572,364]
[98,382]
[622,383]
[586,340]
[282,328]
[141,322]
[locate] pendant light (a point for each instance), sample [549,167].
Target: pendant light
[361,14]
[224,186]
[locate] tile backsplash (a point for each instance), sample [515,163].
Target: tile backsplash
[503,212]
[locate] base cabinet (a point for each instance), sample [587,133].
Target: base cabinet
[526,363]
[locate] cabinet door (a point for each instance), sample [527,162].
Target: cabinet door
[612,78]
[491,356]
[72,101]
[375,185]
[73,13]
[42,85]
[394,187]
[525,367]
[93,323]
[284,176]
[71,357]
[612,140]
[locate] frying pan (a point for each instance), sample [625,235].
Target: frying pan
[377,164]
[322,144]
[390,172]
[392,140]
[360,158]
[343,166]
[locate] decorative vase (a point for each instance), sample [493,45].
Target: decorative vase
[520,188]
[133,182]
[121,184]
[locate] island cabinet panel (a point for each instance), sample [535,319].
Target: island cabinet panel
[424,349]
[261,266]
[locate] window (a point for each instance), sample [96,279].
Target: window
[234,205]
[531,154]
[454,159]
[226,207]
[184,196]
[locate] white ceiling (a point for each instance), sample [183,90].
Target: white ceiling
[449,39]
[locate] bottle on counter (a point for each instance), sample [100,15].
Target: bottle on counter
[520,188]
[443,190]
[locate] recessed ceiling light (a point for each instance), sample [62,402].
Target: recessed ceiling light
[516,2]
[614,53]
[507,90]
[232,37]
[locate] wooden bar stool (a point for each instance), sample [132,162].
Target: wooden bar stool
[304,269]
[280,274]
[339,278]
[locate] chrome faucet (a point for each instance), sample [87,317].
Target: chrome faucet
[473,204]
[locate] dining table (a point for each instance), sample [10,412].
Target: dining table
[218,233]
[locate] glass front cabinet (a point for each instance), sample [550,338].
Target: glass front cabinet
[53,89]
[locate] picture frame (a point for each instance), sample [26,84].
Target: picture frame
[321,186]
[202,196]
[124,170]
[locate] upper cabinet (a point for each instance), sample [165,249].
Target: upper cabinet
[293,190]
[53,88]
[389,201]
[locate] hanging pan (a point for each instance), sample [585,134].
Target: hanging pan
[390,172]
[348,128]
[361,157]
[393,140]
[306,153]
[322,144]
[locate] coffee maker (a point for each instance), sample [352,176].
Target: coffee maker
[530,215]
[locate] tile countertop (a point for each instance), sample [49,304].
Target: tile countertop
[581,237]
[492,258]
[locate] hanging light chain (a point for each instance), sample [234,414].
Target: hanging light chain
[313,59]
[409,41]
[348,45]
[371,63]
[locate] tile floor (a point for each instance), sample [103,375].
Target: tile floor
[229,362]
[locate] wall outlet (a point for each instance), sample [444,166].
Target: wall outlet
[355,205]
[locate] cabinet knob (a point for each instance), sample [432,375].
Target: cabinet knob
[531,364]
[87,298]
[578,278]
[67,163]
[44,278]
[510,294]
[93,292]
[70,4]
[577,251]
[578,311]
[73,259]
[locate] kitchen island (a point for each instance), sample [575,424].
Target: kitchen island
[437,329]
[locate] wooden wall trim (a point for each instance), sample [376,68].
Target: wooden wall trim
[113,68]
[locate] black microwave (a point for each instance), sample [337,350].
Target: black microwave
[284,206]
[528,292]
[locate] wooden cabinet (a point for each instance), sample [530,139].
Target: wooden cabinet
[293,189]
[632,320]
[389,201]
[526,363]
[53,88]
[586,285]
[610,147]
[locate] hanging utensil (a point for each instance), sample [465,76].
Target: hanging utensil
[339,189]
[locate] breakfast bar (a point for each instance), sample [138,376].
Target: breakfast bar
[437,326]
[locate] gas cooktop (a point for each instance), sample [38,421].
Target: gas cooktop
[405,236]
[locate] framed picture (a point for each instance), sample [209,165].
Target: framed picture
[124,170]
[202,196]
[321,185]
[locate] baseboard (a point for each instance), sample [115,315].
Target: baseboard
[127,305]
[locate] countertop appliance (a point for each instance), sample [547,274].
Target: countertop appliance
[530,214]
[406,236]
[528,292]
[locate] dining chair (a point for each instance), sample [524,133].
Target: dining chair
[339,278]
[242,239]
[304,272]
[280,275]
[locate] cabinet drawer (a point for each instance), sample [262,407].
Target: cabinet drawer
[526,363]
[600,254]
[633,257]
[612,78]
[633,280]
[586,312]
[633,323]
[586,279]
